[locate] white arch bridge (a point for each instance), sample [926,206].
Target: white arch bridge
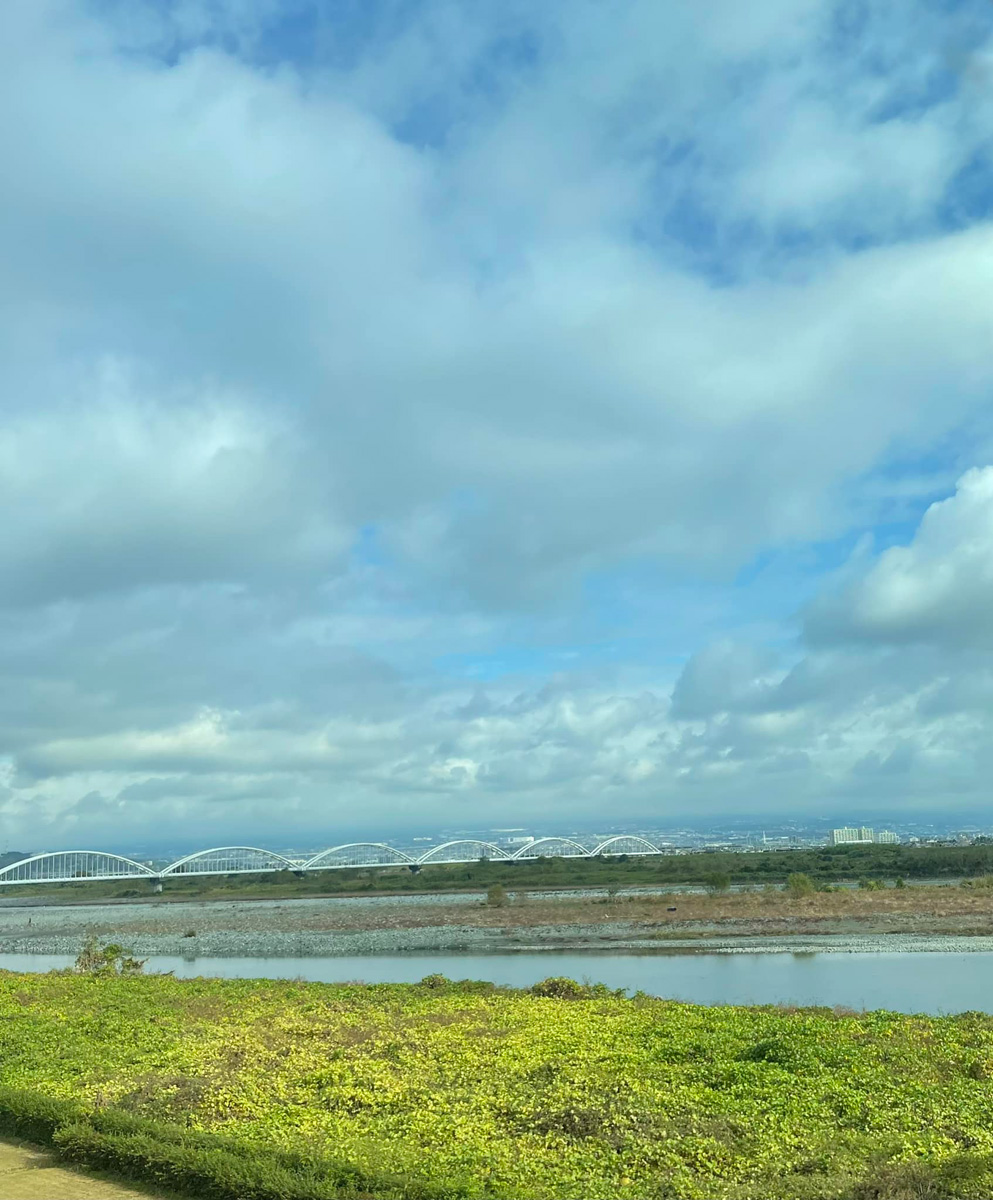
[68,866]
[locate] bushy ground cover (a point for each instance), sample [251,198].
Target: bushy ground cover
[464,1090]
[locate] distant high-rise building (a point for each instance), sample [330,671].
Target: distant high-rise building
[887,838]
[850,835]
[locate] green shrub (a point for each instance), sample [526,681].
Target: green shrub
[559,987]
[111,959]
[208,1172]
[496,896]
[717,882]
[203,1164]
[961,1177]
[781,1052]
[435,981]
[798,885]
[214,1167]
[466,987]
[31,1116]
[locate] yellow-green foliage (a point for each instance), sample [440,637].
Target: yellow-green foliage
[515,1095]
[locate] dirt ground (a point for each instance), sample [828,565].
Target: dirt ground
[919,910]
[897,910]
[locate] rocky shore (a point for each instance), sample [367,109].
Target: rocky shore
[465,924]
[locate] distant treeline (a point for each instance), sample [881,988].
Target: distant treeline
[825,864]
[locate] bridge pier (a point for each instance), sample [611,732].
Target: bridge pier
[156,885]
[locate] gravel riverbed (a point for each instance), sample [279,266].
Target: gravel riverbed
[388,925]
[293,928]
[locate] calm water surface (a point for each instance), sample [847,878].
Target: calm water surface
[902,982]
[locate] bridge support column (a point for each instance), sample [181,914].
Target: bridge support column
[156,885]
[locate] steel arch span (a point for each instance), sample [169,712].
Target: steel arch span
[65,866]
[572,849]
[229,860]
[461,851]
[358,854]
[62,866]
[626,843]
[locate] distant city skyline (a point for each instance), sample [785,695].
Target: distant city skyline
[685,836]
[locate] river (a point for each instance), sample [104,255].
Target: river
[935,983]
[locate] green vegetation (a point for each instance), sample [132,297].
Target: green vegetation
[206,1165]
[717,882]
[277,1090]
[825,864]
[798,884]
[110,959]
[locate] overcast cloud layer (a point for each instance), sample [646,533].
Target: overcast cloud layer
[451,414]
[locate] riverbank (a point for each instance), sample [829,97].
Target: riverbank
[923,919]
[559,1091]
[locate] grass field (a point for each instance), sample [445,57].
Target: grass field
[470,1091]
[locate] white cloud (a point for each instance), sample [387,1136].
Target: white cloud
[110,488]
[320,377]
[724,677]
[878,178]
[936,590]
[433,327]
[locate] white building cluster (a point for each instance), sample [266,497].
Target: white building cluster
[863,836]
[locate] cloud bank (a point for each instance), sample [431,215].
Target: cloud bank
[450,415]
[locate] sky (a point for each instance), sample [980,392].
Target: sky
[422,414]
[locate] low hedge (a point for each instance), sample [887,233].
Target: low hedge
[209,1172]
[34,1117]
[203,1164]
